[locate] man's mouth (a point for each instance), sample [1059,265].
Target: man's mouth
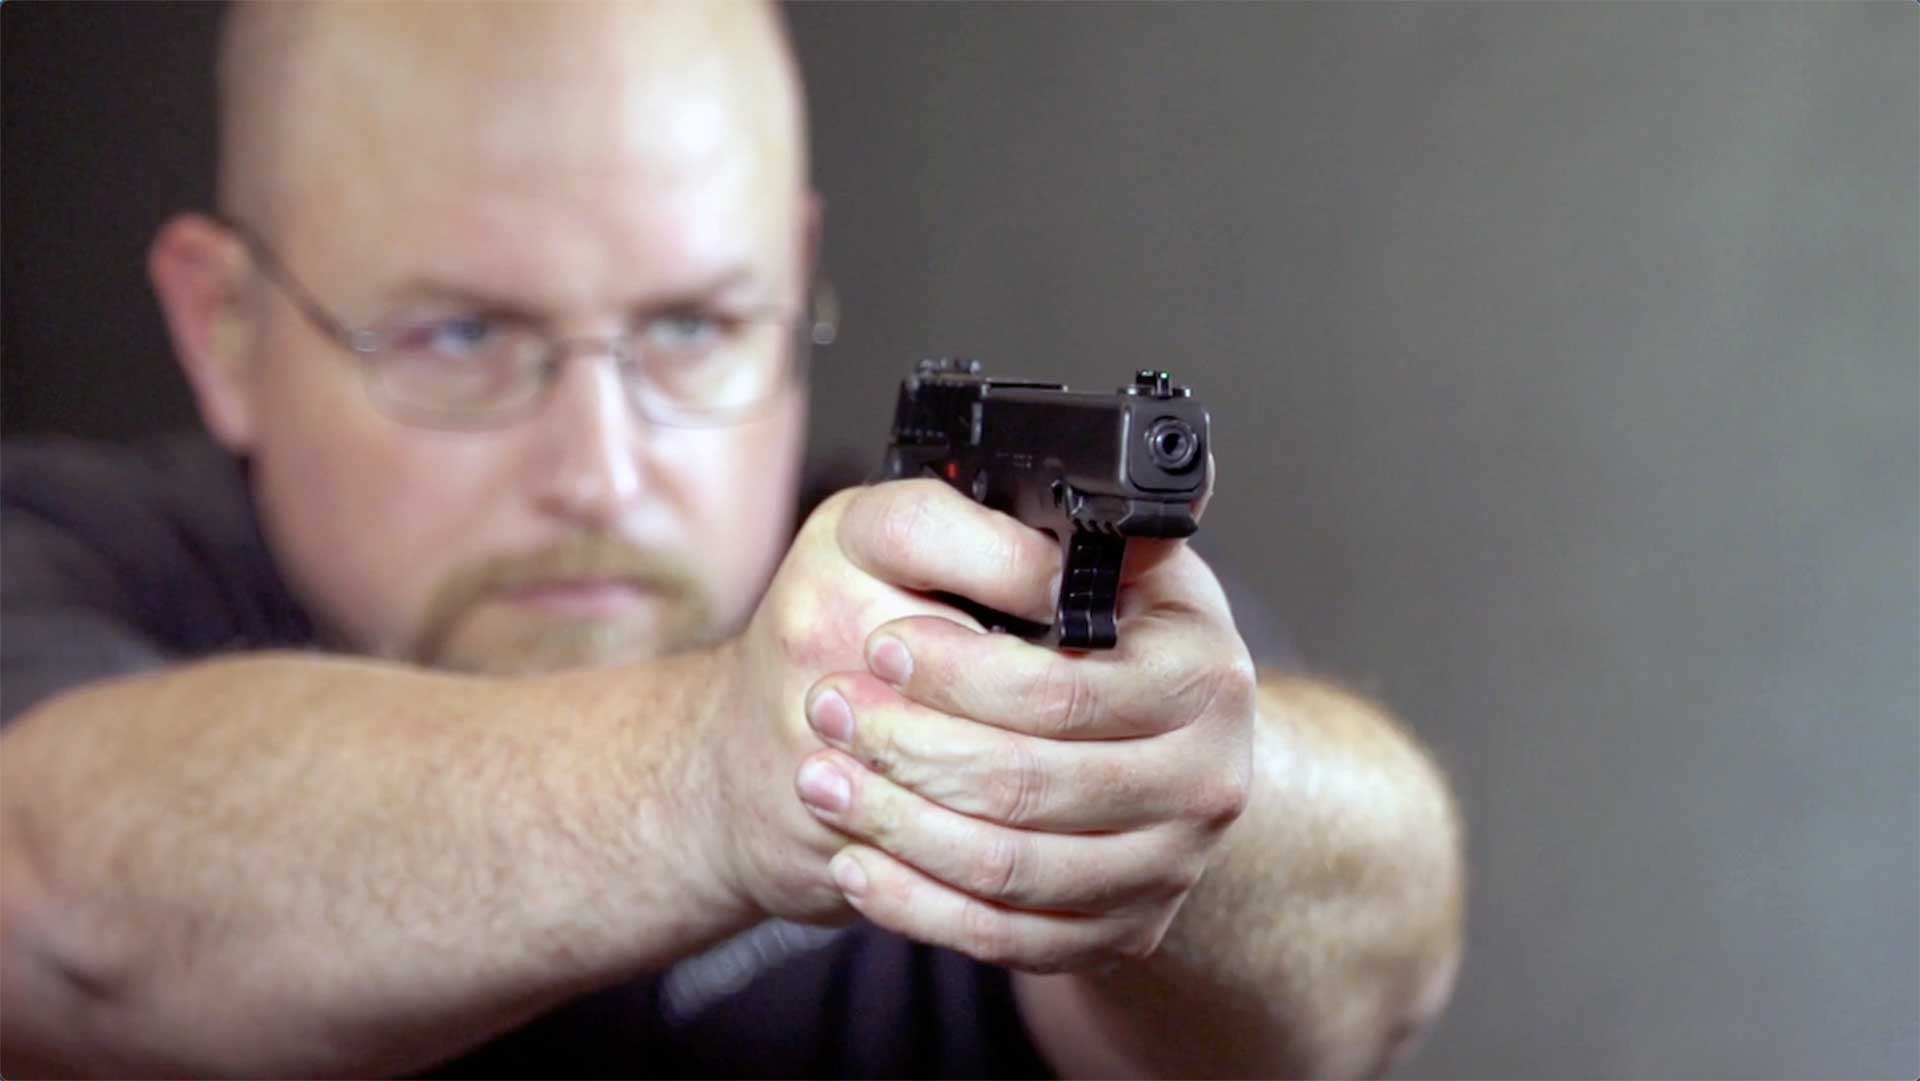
[576,598]
[588,601]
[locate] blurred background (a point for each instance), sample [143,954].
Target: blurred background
[1565,366]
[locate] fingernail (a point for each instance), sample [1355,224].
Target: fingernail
[847,875]
[891,661]
[825,787]
[831,717]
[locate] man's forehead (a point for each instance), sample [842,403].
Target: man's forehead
[372,95]
[567,253]
[557,73]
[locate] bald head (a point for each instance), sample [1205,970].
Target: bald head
[310,92]
[432,172]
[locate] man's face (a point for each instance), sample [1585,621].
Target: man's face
[588,169]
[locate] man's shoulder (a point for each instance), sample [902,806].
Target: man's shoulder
[161,502]
[117,557]
[77,482]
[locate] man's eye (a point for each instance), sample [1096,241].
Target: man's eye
[464,335]
[685,331]
[458,336]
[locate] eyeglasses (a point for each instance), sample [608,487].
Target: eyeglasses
[687,367]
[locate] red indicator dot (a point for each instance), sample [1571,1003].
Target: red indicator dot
[953,470]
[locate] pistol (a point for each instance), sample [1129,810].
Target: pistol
[1092,469]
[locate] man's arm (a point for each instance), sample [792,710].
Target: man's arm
[296,864]
[291,864]
[1323,938]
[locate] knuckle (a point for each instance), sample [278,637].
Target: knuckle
[1224,686]
[831,523]
[791,632]
[879,747]
[901,520]
[827,519]
[1171,881]
[800,637]
[900,893]
[834,507]
[1141,941]
[1220,799]
[1239,676]
[983,932]
[1015,785]
[999,869]
[1067,701]
[1240,680]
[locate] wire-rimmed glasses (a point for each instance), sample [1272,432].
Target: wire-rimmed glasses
[465,369]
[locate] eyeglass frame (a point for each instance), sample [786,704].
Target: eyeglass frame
[821,318]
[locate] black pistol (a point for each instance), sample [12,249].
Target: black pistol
[1092,469]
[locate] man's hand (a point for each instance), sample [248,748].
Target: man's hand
[814,620]
[1035,809]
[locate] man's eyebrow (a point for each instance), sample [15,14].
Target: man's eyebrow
[418,290]
[719,287]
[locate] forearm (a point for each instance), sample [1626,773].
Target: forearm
[291,864]
[1324,934]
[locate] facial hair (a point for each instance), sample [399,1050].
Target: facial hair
[466,630]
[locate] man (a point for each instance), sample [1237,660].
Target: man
[499,314]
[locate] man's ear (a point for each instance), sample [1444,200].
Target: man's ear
[199,270]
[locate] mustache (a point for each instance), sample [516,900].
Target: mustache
[596,557]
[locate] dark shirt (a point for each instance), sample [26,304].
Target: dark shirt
[117,559]
[784,1001]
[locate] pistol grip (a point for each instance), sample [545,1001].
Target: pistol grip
[1084,616]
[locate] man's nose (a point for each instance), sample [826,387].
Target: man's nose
[590,442]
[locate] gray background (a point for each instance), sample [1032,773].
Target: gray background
[1565,364]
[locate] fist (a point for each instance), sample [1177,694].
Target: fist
[864,558]
[1035,809]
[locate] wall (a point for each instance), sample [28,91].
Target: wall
[1565,362]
